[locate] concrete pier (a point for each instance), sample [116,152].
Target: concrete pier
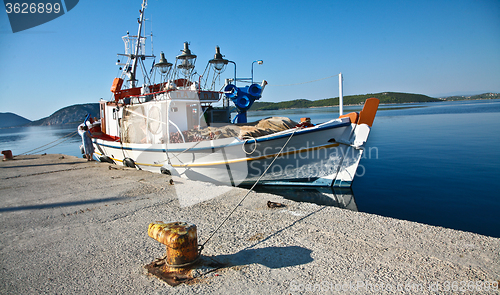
[69,226]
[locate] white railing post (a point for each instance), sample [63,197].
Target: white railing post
[341,96]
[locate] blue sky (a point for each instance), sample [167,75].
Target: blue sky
[434,47]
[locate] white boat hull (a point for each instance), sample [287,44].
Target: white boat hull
[323,155]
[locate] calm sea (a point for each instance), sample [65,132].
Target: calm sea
[434,163]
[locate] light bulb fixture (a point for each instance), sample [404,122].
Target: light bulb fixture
[260,61]
[163,65]
[187,58]
[218,62]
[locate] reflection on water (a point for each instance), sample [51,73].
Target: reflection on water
[60,139]
[428,163]
[7,138]
[336,197]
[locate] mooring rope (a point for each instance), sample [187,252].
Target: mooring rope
[67,136]
[202,246]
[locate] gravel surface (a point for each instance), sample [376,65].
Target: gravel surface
[71,226]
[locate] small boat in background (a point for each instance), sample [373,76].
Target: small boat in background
[174,126]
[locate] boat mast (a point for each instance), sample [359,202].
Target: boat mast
[137,45]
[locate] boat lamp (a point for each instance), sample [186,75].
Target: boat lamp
[259,62]
[218,62]
[187,58]
[163,65]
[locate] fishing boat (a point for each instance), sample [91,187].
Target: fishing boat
[181,125]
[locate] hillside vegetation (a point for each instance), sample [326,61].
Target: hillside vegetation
[72,114]
[472,97]
[385,97]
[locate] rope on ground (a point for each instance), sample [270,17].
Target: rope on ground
[45,172]
[202,246]
[302,82]
[39,149]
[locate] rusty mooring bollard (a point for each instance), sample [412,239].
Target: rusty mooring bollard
[7,155]
[181,240]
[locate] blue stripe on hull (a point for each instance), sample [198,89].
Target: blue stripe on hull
[250,141]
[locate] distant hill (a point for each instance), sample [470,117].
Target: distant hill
[489,95]
[385,97]
[77,113]
[72,114]
[12,120]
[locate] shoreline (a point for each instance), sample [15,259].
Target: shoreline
[314,107]
[351,105]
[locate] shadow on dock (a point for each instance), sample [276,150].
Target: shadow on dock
[272,257]
[60,204]
[327,196]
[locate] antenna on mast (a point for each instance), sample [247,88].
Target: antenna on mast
[152,51]
[137,45]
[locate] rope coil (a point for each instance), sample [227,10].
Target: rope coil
[254,148]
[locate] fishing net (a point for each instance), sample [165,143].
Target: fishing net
[244,130]
[134,125]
